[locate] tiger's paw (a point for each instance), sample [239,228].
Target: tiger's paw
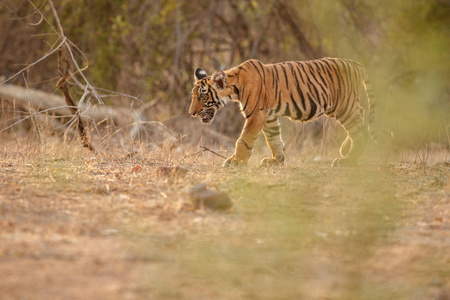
[234,162]
[344,162]
[270,161]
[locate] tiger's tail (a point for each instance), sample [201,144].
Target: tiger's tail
[371,101]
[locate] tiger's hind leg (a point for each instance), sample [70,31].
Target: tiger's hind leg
[358,134]
[272,133]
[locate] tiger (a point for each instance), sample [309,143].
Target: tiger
[300,90]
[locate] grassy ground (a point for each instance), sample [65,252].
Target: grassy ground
[79,226]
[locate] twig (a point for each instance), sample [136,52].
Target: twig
[275,185]
[213,152]
[36,62]
[192,154]
[203,149]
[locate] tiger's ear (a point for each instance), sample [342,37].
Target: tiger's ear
[219,79]
[199,74]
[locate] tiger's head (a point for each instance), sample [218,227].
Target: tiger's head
[207,95]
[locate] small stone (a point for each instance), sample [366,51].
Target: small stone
[201,196]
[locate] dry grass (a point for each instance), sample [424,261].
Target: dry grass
[74,225]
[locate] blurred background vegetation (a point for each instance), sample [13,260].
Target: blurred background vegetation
[149,49]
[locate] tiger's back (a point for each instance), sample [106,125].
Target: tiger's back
[305,90]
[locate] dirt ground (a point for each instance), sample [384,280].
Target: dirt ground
[85,226]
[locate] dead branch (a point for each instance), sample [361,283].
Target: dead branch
[213,152]
[64,68]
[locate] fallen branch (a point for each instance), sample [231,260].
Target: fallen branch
[41,101]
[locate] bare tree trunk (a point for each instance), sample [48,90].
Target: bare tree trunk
[287,14]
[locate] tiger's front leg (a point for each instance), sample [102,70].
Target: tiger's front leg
[244,144]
